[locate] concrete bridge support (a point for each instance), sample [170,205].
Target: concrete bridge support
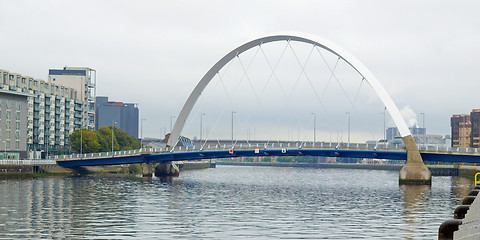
[147,169]
[167,169]
[415,172]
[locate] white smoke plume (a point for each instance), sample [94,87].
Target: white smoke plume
[409,115]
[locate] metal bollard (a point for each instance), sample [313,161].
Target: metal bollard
[447,228]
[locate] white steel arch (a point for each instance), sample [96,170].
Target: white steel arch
[289,36]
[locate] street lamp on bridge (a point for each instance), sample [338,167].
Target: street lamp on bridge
[141,132]
[314,127]
[423,126]
[113,123]
[201,124]
[233,112]
[348,126]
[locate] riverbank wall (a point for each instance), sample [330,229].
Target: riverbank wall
[31,170]
[437,170]
[194,165]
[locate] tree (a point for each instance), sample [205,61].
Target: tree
[86,138]
[104,135]
[121,140]
[101,140]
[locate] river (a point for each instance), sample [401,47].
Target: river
[229,203]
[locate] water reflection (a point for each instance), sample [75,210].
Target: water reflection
[229,203]
[460,188]
[414,206]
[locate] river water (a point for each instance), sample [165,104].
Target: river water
[229,203]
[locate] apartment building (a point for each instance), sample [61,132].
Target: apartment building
[83,80]
[48,113]
[461,126]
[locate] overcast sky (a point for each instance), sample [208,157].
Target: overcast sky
[425,53]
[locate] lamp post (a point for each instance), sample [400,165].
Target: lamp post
[113,122]
[233,112]
[384,124]
[423,126]
[201,124]
[81,141]
[141,132]
[48,143]
[171,123]
[348,123]
[314,127]
[34,148]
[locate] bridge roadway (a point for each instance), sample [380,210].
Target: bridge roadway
[433,154]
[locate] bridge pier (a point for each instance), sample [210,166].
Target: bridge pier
[147,169]
[415,172]
[167,169]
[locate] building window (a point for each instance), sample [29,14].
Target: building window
[10,77]
[8,115]
[8,145]
[17,116]
[17,134]
[8,124]
[18,106]
[8,134]
[17,145]
[29,83]
[24,80]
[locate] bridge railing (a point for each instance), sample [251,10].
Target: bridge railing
[28,162]
[274,145]
[109,154]
[447,149]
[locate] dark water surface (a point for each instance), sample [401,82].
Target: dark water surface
[229,203]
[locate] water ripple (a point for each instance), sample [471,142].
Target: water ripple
[229,203]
